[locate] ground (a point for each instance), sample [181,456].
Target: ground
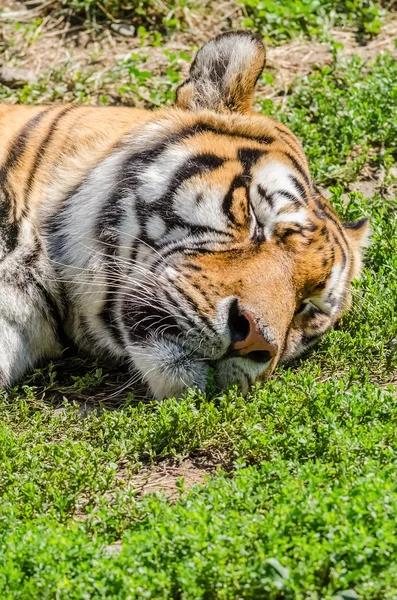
[289,493]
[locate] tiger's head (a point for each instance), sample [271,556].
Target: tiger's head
[251,266]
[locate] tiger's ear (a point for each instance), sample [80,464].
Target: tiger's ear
[358,234]
[223,74]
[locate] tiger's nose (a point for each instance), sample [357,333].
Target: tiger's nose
[247,338]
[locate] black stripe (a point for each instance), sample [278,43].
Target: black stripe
[16,152]
[196,165]
[10,230]
[35,254]
[140,321]
[290,139]
[334,219]
[202,163]
[294,200]
[201,250]
[320,202]
[201,316]
[309,340]
[355,224]
[287,133]
[297,229]
[318,322]
[43,148]
[19,146]
[300,188]
[249,156]
[287,232]
[107,314]
[54,313]
[264,194]
[342,250]
[205,128]
[299,168]
[319,214]
[192,250]
[332,258]
[238,182]
[186,316]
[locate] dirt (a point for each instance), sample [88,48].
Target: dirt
[166,477]
[300,57]
[59,43]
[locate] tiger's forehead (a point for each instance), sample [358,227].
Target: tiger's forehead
[224,134]
[220,179]
[241,178]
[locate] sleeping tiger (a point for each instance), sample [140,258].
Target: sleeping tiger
[178,240]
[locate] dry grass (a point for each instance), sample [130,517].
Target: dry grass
[54,43]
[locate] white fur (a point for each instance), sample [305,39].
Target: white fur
[335,287]
[248,371]
[208,211]
[129,230]
[26,330]
[274,177]
[157,178]
[155,228]
[168,369]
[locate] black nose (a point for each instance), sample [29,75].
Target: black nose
[239,325]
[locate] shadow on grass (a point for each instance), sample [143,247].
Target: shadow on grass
[92,384]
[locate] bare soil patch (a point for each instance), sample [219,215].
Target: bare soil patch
[171,479]
[300,57]
[56,43]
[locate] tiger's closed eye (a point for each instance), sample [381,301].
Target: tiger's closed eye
[301,307]
[314,300]
[314,305]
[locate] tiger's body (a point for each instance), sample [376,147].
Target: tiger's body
[175,239]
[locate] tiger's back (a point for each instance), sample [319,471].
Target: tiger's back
[36,139]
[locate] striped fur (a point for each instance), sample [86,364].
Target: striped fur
[134,234]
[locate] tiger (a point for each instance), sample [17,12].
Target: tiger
[189,243]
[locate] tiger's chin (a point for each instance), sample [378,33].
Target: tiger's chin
[170,369]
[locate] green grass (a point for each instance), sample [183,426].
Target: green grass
[276,20]
[315,512]
[346,115]
[128,81]
[266,533]
[306,506]
[152,14]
